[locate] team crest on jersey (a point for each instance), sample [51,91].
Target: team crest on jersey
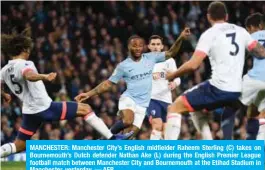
[153,112]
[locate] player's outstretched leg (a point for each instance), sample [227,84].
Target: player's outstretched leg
[253,123]
[201,123]
[11,148]
[91,118]
[228,122]
[30,124]
[174,115]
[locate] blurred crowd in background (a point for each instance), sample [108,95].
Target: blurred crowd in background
[84,41]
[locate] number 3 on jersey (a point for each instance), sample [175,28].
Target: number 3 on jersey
[19,87]
[233,37]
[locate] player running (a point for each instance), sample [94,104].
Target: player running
[136,70]
[253,93]
[23,79]
[225,45]
[161,95]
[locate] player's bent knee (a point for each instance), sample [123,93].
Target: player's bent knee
[127,121]
[83,109]
[127,117]
[177,107]
[171,108]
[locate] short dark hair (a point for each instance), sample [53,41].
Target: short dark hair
[14,44]
[217,10]
[254,20]
[133,37]
[155,37]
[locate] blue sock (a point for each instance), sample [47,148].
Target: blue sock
[117,127]
[252,128]
[228,122]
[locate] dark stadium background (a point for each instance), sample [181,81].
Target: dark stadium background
[83,42]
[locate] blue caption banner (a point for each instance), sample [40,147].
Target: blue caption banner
[140,154]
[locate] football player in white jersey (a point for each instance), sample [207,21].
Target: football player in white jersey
[161,95]
[253,93]
[225,45]
[24,81]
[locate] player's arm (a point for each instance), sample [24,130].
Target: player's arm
[101,88]
[174,49]
[258,50]
[33,76]
[189,66]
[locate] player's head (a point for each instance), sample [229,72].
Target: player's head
[16,45]
[254,22]
[136,46]
[216,12]
[155,43]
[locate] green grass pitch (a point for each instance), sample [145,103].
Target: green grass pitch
[13,165]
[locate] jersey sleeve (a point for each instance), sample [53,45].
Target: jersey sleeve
[117,75]
[204,44]
[173,67]
[250,42]
[27,66]
[156,57]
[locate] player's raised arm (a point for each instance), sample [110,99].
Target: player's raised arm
[174,49]
[202,50]
[189,66]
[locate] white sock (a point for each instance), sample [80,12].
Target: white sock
[200,122]
[261,133]
[98,125]
[173,124]
[8,149]
[155,135]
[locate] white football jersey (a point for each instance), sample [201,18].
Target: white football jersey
[32,94]
[225,44]
[160,89]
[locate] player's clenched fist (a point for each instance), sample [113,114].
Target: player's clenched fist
[82,97]
[51,76]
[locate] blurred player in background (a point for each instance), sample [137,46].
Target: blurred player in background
[161,95]
[136,70]
[225,45]
[253,93]
[23,79]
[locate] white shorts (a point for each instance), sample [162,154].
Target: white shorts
[253,92]
[139,111]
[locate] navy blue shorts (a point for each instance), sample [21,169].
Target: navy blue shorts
[157,109]
[57,111]
[207,97]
